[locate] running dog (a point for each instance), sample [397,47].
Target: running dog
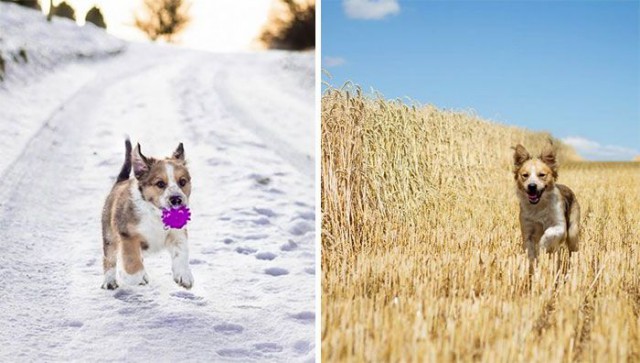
[131,218]
[549,212]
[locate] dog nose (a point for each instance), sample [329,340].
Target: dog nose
[532,187]
[175,200]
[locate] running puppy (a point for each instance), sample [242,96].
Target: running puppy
[549,212]
[131,218]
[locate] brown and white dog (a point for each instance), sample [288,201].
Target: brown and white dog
[549,212]
[131,218]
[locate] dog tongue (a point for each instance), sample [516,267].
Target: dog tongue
[533,197]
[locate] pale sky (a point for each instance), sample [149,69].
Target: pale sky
[217,25]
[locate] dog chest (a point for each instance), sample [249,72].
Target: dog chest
[548,213]
[150,226]
[154,232]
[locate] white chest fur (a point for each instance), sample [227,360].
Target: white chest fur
[150,226]
[548,212]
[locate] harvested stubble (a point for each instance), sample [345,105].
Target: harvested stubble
[422,258]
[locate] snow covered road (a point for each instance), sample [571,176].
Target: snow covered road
[247,123]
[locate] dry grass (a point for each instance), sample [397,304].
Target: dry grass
[421,253]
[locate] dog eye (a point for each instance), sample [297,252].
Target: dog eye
[182,182]
[161,184]
[525,175]
[542,175]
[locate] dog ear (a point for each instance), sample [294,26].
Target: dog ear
[178,154]
[520,155]
[140,162]
[548,156]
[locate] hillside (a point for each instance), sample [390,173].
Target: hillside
[422,254]
[34,51]
[30,46]
[399,160]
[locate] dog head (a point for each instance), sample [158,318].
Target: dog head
[165,183]
[534,175]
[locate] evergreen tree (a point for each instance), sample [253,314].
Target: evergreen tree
[94,16]
[65,10]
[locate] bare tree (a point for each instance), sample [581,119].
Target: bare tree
[164,18]
[52,9]
[65,10]
[292,29]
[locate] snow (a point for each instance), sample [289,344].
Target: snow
[47,44]
[246,121]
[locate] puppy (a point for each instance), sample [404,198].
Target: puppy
[131,218]
[549,212]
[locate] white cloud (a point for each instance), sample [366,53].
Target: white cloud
[333,61]
[370,9]
[590,149]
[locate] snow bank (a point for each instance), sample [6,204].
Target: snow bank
[30,50]
[30,46]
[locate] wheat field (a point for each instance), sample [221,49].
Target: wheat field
[422,258]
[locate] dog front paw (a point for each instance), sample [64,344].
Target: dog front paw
[138,278]
[110,282]
[547,245]
[110,285]
[183,278]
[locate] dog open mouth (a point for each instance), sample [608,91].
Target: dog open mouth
[534,196]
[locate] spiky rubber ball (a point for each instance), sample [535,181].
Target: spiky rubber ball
[176,218]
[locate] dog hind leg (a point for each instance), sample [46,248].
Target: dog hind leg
[109,258]
[131,254]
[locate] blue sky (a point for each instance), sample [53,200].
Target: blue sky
[571,68]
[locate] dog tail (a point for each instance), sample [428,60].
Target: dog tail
[126,167]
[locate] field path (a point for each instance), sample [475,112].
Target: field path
[251,235]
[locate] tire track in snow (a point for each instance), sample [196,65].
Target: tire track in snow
[51,93]
[252,214]
[303,162]
[35,188]
[37,221]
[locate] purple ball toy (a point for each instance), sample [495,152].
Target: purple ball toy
[176,217]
